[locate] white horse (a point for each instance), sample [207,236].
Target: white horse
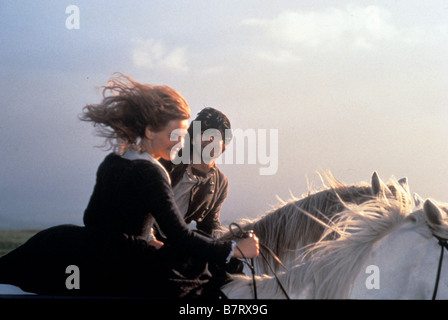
[384,250]
[298,223]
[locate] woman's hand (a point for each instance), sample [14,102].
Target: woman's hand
[248,247]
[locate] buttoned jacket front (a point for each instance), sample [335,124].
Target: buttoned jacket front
[206,196]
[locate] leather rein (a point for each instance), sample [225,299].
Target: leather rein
[443,243]
[250,263]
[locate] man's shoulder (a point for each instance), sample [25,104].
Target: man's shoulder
[220,174]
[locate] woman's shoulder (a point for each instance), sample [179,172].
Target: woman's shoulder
[139,168]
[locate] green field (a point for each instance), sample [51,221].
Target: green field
[11,239]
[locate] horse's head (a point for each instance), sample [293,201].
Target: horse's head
[408,258]
[387,250]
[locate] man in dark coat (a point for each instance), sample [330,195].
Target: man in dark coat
[199,186]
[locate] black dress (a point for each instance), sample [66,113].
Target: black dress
[111,251]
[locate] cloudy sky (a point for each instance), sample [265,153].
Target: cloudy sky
[347,86]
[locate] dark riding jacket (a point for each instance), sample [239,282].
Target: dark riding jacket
[111,251]
[206,196]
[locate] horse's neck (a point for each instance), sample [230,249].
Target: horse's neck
[402,265]
[241,286]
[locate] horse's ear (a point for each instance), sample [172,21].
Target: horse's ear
[418,200]
[433,212]
[376,184]
[404,184]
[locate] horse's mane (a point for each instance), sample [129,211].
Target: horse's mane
[335,263]
[331,263]
[299,222]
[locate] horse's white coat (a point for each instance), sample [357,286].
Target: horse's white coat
[384,233]
[407,262]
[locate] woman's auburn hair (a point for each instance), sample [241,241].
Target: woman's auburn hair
[128,107]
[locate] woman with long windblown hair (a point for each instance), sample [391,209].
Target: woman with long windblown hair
[141,123]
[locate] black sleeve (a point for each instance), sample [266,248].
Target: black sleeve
[155,193]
